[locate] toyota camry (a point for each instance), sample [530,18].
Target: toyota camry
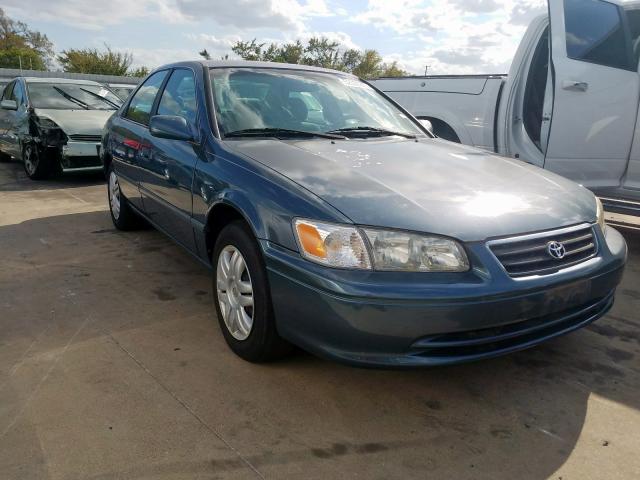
[333,220]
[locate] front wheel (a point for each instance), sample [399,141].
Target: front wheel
[36,163]
[123,217]
[242,297]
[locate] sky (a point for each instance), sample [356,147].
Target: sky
[450,36]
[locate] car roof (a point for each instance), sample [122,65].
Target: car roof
[59,80]
[252,64]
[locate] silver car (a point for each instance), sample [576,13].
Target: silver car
[54,125]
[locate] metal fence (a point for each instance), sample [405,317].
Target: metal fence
[9,73]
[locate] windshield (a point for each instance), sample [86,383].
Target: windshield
[247,98]
[72,96]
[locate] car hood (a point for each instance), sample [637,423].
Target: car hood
[77,122]
[428,185]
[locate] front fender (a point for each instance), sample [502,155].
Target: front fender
[267,200]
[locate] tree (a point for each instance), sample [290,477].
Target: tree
[322,52]
[138,72]
[393,70]
[205,54]
[20,46]
[319,52]
[88,60]
[248,50]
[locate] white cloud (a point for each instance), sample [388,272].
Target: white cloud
[287,15]
[80,13]
[457,36]
[451,36]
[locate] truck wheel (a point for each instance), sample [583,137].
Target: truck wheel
[36,164]
[122,215]
[242,297]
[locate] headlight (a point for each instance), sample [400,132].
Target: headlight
[600,215]
[401,251]
[332,245]
[46,123]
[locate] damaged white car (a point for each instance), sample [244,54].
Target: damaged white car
[54,125]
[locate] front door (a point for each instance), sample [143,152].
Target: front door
[128,138]
[171,166]
[595,92]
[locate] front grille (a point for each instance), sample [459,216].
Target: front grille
[528,255]
[85,138]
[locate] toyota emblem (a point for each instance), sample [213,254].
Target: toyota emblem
[556,250]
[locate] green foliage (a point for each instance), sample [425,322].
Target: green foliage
[19,44]
[319,52]
[138,72]
[28,58]
[92,60]
[204,54]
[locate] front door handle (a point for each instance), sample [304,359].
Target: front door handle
[575,85]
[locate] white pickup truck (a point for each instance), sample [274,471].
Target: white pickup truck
[578,118]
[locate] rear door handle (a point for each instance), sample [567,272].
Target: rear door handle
[575,85]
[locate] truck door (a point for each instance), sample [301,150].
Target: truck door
[632,178]
[596,89]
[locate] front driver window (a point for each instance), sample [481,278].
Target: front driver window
[179,96]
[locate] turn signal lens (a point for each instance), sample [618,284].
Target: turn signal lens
[332,245]
[600,215]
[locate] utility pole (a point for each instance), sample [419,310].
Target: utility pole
[426,69]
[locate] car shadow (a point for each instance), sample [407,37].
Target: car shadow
[519,416]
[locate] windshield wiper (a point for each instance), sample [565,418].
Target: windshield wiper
[105,99]
[371,130]
[71,98]
[281,132]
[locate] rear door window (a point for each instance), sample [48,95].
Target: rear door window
[139,109]
[595,33]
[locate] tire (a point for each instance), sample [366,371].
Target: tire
[36,163]
[122,215]
[255,337]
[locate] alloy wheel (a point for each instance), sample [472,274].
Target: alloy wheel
[114,195]
[31,159]
[235,292]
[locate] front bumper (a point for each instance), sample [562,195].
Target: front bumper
[81,156]
[410,320]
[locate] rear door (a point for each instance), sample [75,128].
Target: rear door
[168,174]
[595,92]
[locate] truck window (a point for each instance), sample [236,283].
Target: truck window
[535,90]
[633,17]
[595,34]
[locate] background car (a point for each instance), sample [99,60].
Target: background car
[122,90]
[54,125]
[339,224]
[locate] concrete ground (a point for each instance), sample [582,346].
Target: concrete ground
[112,366]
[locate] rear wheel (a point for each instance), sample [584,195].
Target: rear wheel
[242,297]
[123,217]
[36,163]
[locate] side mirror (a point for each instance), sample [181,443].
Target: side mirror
[427,125]
[9,105]
[172,127]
